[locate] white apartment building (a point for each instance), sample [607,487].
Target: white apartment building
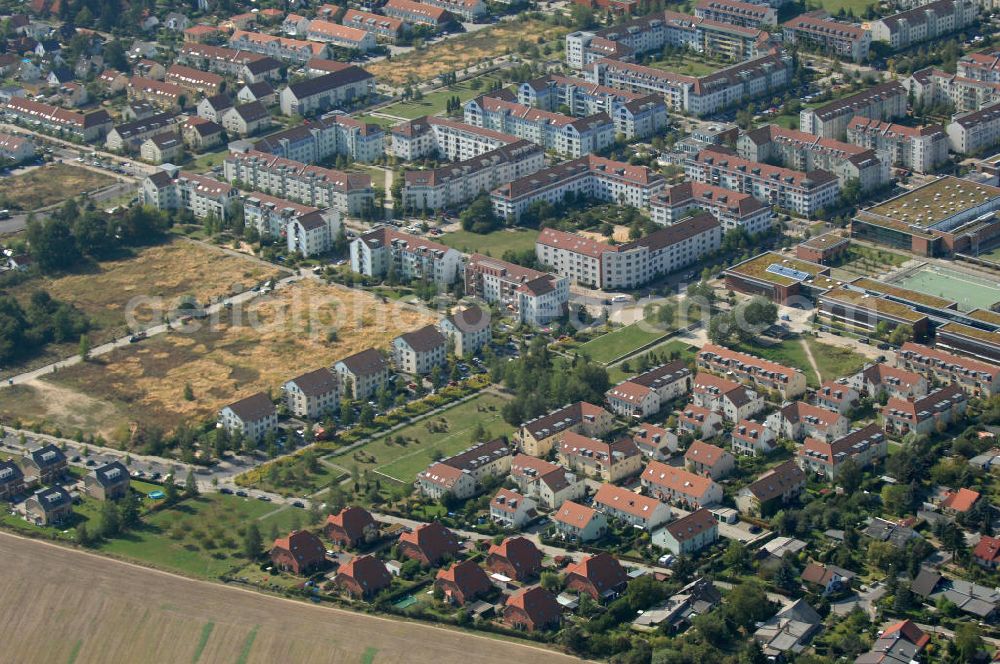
[374,253]
[924,23]
[324,137]
[885,101]
[532,297]
[187,191]
[976,131]
[313,394]
[935,86]
[446,139]
[732,209]
[418,352]
[339,89]
[920,149]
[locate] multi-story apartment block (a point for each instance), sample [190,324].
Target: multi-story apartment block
[451,185]
[735,12]
[253,417]
[327,92]
[836,395]
[328,136]
[609,462]
[539,435]
[936,87]
[628,507]
[709,460]
[418,13]
[699,422]
[347,193]
[802,151]
[629,265]
[467,10]
[698,96]
[885,101]
[976,131]
[733,400]
[248,66]
[246,119]
[655,442]
[383,28]
[533,297]
[201,195]
[566,135]
[776,487]
[980,66]
[732,209]
[920,149]
[750,438]
[280,48]
[163,95]
[862,446]
[478,463]
[644,395]
[468,330]
[589,177]
[418,352]
[431,136]
[362,374]
[340,36]
[977,378]
[307,230]
[880,379]
[382,249]
[801,193]
[924,23]
[752,370]
[313,394]
[799,420]
[128,136]
[818,30]
[83,126]
[939,408]
[548,483]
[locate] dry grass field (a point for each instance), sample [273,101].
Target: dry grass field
[49,184]
[464,50]
[256,347]
[63,605]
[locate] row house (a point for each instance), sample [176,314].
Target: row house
[709,460]
[549,484]
[200,195]
[598,264]
[799,420]
[975,132]
[474,465]
[679,486]
[644,395]
[530,296]
[251,418]
[921,416]
[574,522]
[752,370]
[817,29]
[736,12]
[162,148]
[806,152]
[467,10]
[921,149]
[610,462]
[385,249]
[924,23]
[323,138]
[688,534]
[418,13]
[341,36]
[347,193]
[733,400]
[864,447]
[510,509]
[200,82]
[339,89]
[731,209]
[383,28]
[362,374]
[284,49]
[87,127]
[452,185]
[700,96]
[933,86]
[698,422]
[884,101]
[977,378]
[314,394]
[243,65]
[803,193]
[567,136]
[307,231]
[878,379]
[778,486]
[836,396]
[629,507]
[655,442]
[418,352]
[540,435]
[468,331]
[750,438]
[163,95]
[590,177]
[128,136]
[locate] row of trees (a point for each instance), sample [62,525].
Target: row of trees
[26,329]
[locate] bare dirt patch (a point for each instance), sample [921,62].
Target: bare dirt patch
[48,185]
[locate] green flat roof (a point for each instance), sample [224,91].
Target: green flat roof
[756,268]
[936,201]
[904,293]
[874,303]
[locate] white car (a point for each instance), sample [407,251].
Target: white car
[666,560]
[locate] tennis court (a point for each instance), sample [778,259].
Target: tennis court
[968,290]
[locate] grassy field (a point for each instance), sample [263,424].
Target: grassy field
[624,340]
[49,184]
[453,433]
[689,65]
[685,352]
[380,121]
[256,347]
[204,162]
[376,172]
[433,103]
[495,243]
[106,610]
[868,261]
[463,51]
[834,6]
[832,361]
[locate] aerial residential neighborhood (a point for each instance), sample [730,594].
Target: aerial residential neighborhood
[454,330]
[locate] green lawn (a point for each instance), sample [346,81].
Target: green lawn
[454,429]
[624,340]
[688,65]
[862,260]
[495,243]
[204,162]
[832,361]
[834,6]
[380,121]
[434,103]
[685,352]
[377,173]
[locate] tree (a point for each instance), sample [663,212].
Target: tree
[900,335]
[437,376]
[968,641]
[367,415]
[551,582]
[83,537]
[189,394]
[190,485]
[252,543]
[479,217]
[849,476]
[51,244]
[84,347]
[346,413]
[110,523]
[129,512]
[735,557]
[170,491]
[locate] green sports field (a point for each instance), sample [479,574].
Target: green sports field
[968,290]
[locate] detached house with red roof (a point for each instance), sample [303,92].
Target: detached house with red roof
[900,643]
[987,552]
[600,576]
[750,438]
[778,486]
[799,420]
[629,507]
[610,462]
[709,460]
[463,582]
[429,544]
[509,509]
[676,485]
[578,523]
[734,401]
[532,609]
[959,502]
[516,558]
[350,527]
[300,553]
[688,534]
[363,577]
[944,406]
[644,395]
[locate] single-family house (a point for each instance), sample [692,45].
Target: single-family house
[48,506]
[363,577]
[429,544]
[578,523]
[655,442]
[699,422]
[516,558]
[300,552]
[462,582]
[600,576]
[510,509]
[47,463]
[109,482]
[11,480]
[709,460]
[789,631]
[532,609]
[750,438]
[351,527]
[836,396]
[688,534]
